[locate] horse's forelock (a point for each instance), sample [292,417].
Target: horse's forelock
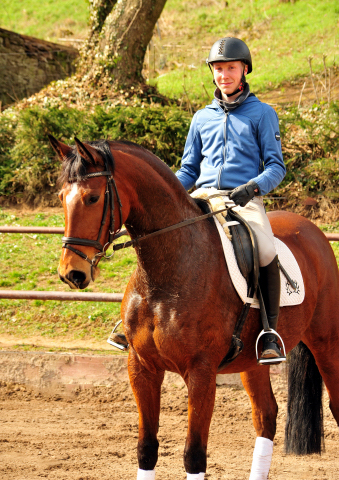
[75,166]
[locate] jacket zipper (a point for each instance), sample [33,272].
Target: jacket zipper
[225,123]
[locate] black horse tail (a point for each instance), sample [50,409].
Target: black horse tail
[304,432]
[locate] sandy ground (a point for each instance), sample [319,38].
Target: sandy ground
[92,434]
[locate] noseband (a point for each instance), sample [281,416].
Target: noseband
[109,203]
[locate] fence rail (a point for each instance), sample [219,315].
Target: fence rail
[332,237]
[62,296]
[52,295]
[73,296]
[45,230]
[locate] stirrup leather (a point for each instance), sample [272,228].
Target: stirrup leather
[270,361]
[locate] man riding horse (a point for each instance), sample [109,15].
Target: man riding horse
[234,144]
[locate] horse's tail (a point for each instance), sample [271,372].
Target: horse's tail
[304,432]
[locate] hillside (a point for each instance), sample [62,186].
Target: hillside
[282,36]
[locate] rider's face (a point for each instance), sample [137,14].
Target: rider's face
[227,75]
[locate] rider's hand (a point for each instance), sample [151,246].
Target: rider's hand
[244,193]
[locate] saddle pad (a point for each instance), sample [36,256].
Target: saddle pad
[288,296]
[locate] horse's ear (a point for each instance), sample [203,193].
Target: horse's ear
[89,153]
[61,149]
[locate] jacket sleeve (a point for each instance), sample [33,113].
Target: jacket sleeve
[190,162]
[271,154]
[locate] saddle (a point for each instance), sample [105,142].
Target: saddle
[246,252]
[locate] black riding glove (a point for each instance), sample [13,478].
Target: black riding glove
[244,193]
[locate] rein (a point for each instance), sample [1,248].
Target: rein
[184,223]
[109,203]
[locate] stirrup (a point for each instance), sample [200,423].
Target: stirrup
[270,361]
[120,346]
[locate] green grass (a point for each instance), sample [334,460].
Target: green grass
[333,228]
[281,36]
[49,19]
[30,261]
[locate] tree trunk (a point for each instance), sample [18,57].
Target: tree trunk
[119,34]
[98,12]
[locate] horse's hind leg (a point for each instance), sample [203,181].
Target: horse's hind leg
[201,386]
[264,414]
[146,386]
[327,359]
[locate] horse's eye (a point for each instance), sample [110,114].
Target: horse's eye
[93,199]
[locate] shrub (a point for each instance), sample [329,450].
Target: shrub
[28,165]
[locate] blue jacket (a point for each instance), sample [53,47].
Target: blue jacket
[227,150]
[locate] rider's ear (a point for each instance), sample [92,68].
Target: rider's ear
[61,149]
[89,153]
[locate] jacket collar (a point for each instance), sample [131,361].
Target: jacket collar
[228,106]
[215,105]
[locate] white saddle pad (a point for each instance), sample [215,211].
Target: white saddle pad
[288,295]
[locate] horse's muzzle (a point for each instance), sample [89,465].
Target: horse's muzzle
[75,279]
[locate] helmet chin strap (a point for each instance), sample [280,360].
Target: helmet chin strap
[240,88]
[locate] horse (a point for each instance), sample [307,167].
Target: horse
[180,307]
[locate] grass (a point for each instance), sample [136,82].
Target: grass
[30,261]
[49,19]
[281,36]
[333,228]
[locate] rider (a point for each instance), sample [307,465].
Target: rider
[234,144]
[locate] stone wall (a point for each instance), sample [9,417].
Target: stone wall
[28,64]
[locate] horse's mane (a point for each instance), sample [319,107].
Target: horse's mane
[75,166]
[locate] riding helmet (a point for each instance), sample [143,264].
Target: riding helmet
[230,49]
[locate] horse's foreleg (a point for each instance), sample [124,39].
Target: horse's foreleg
[201,395]
[146,386]
[264,413]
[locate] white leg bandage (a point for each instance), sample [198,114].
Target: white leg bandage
[262,457]
[146,474]
[196,476]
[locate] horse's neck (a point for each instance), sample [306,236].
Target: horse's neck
[160,202]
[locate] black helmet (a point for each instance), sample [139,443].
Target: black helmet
[230,49]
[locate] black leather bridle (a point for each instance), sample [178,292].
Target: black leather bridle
[108,204]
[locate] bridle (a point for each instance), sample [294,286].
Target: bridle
[108,204]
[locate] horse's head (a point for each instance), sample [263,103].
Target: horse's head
[93,211]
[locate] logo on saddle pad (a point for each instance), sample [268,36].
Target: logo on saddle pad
[290,290]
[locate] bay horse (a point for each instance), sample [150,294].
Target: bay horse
[180,307]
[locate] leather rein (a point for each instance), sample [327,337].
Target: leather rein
[109,203]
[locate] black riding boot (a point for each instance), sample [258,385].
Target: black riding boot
[269,281]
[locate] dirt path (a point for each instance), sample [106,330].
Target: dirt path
[92,434]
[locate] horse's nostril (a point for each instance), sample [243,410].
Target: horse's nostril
[76,277]
[62,278]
